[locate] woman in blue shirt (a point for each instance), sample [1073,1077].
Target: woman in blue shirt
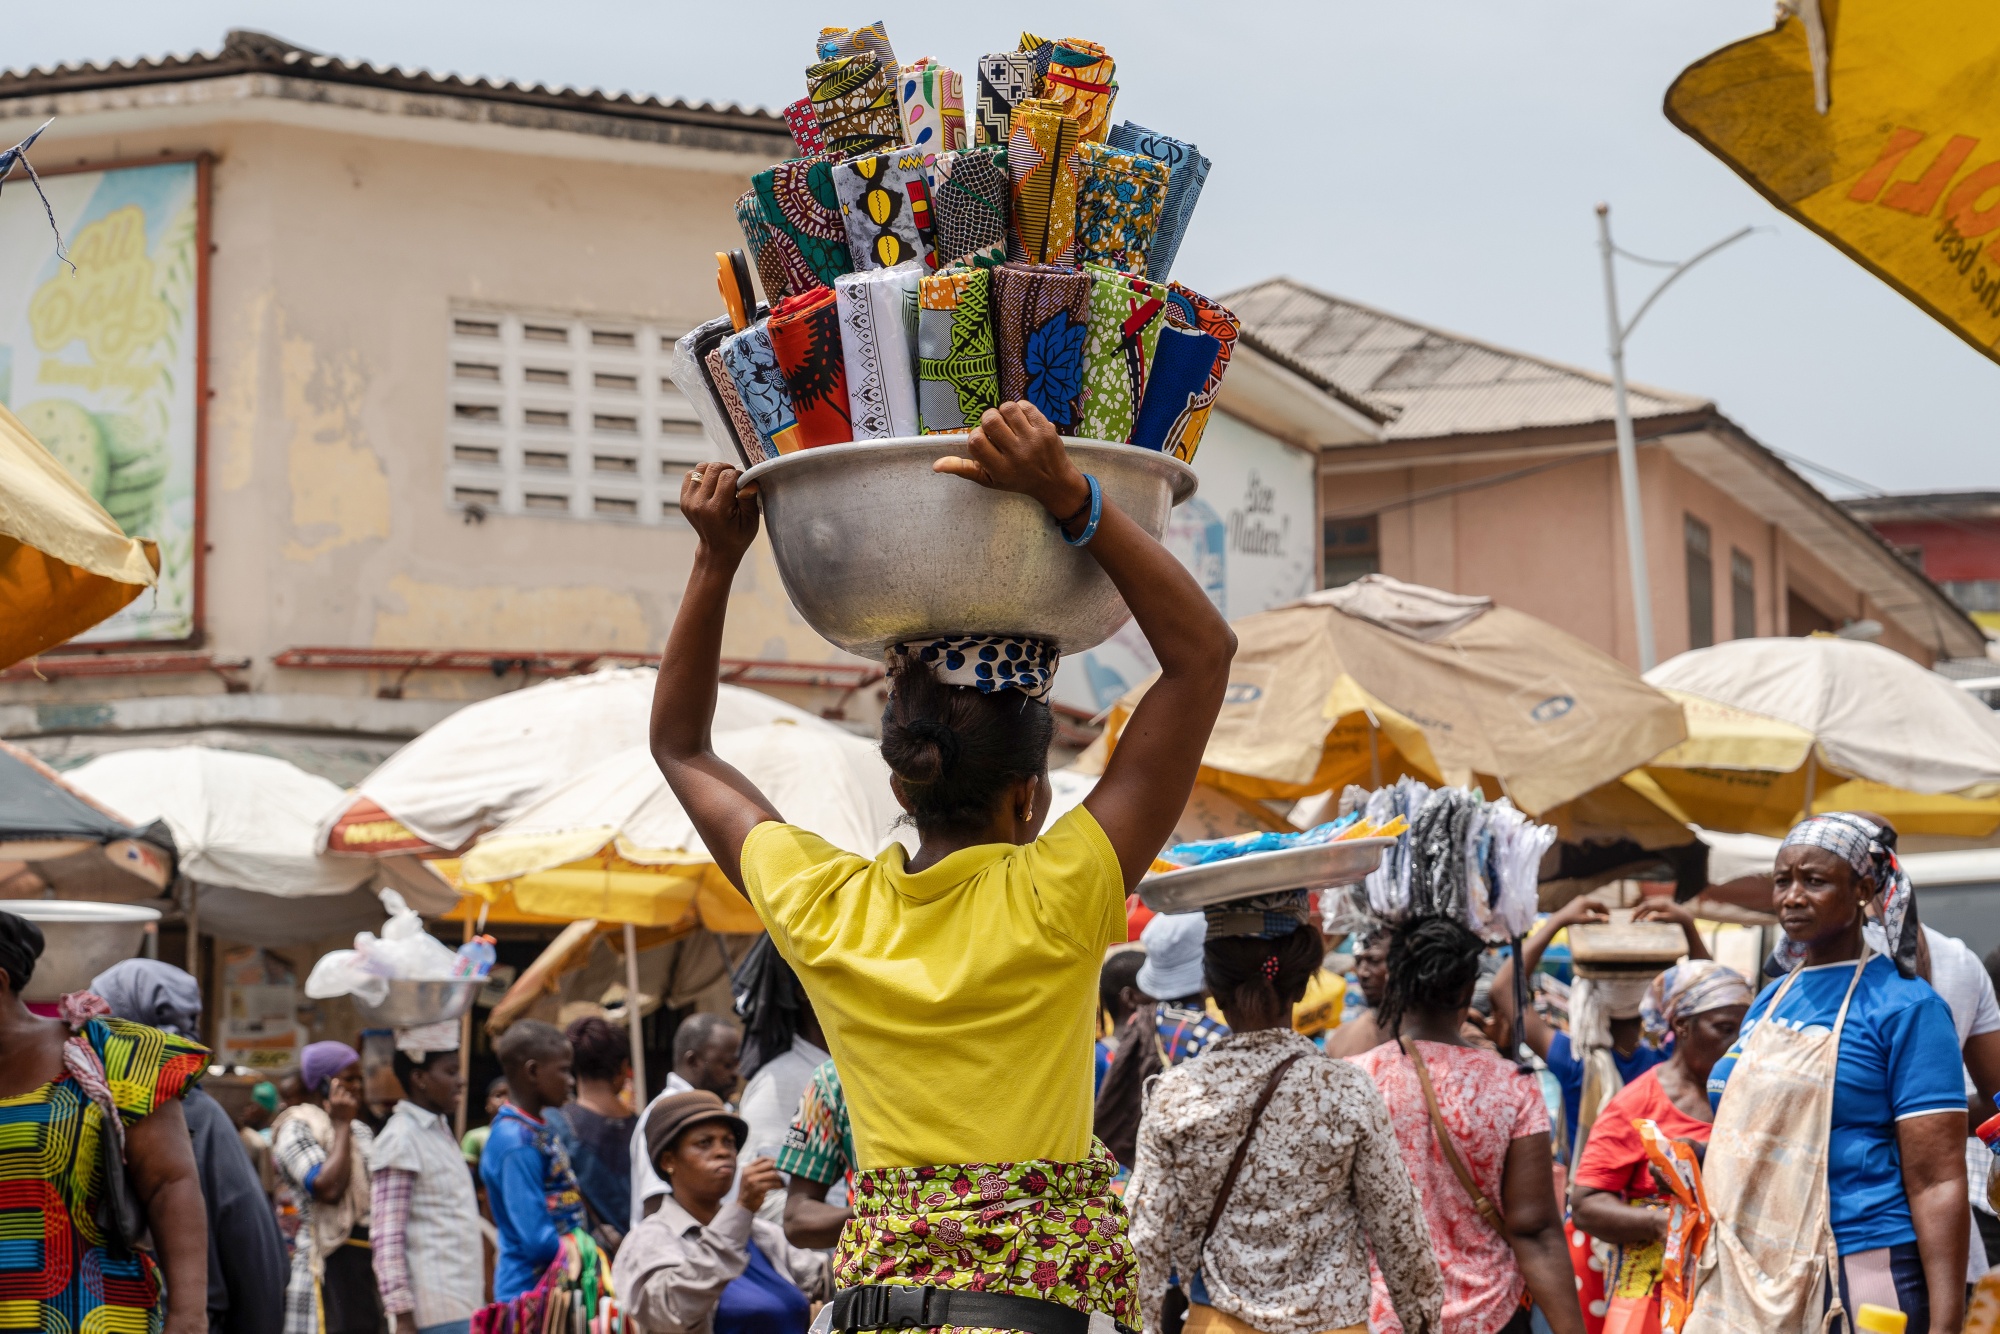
[1890,1147]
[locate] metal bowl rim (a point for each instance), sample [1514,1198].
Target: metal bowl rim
[81,912]
[1184,479]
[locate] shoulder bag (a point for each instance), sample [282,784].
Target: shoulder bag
[1487,1209]
[1174,1309]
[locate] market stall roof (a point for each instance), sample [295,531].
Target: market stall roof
[246,826]
[613,844]
[1855,725]
[70,844]
[1361,683]
[64,563]
[484,764]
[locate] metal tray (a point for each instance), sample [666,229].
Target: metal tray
[413,1003]
[1318,867]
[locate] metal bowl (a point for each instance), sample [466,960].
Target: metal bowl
[1320,866]
[79,941]
[876,549]
[413,1003]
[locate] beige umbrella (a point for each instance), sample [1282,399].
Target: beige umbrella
[1378,678]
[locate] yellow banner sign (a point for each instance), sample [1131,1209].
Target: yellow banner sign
[1902,171]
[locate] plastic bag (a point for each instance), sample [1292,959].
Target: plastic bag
[404,951]
[340,973]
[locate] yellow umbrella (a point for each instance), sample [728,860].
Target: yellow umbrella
[1378,679]
[1874,123]
[64,564]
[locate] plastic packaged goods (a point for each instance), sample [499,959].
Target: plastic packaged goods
[475,958]
[405,951]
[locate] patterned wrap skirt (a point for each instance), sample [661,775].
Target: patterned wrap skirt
[1035,1229]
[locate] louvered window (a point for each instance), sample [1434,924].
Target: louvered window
[552,416]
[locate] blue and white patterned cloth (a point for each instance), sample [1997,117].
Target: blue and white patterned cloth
[1871,850]
[990,662]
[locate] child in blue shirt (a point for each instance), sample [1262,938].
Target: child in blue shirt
[529,1185]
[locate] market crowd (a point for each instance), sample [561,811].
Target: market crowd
[955,1092]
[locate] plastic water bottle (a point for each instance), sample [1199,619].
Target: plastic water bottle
[475,958]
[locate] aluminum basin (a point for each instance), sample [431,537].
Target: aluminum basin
[80,940]
[1320,866]
[876,549]
[413,1003]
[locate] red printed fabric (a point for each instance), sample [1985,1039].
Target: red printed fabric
[806,132]
[1487,1103]
[805,335]
[1614,1158]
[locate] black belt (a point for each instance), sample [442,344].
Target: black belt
[903,1306]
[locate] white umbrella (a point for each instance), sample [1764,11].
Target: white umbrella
[1874,714]
[246,826]
[485,764]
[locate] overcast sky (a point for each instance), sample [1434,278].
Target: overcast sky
[1437,158]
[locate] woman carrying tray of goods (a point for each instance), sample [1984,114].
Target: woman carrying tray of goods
[957,986]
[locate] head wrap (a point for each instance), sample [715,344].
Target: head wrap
[989,663]
[150,992]
[265,1094]
[420,1041]
[20,946]
[1869,848]
[1690,988]
[1266,916]
[321,1061]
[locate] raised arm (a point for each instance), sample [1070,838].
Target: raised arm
[1146,786]
[723,805]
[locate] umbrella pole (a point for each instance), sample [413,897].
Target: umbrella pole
[1812,773]
[1374,755]
[465,1054]
[632,1017]
[193,916]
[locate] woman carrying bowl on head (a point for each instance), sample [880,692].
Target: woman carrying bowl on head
[957,985]
[1839,1138]
[1614,1196]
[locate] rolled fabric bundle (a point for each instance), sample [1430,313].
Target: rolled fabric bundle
[872,40]
[800,207]
[804,125]
[885,207]
[878,316]
[764,252]
[931,99]
[753,367]
[1006,79]
[1079,78]
[1126,315]
[1118,202]
[1041,160]
[754,447]
[1042,320]
[956,378]
[1189,309]
[805,335]
[969,192]
[1039,50]
[854,98]
[1187,170]
[1174,390]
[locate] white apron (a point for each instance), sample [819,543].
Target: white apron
[1769,1259]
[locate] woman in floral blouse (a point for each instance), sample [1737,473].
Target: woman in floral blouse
[1322,1181]
[1509,1241]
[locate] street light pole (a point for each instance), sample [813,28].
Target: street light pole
[1628,450]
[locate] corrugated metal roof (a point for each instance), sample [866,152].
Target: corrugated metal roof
[247,52]
[1427,382]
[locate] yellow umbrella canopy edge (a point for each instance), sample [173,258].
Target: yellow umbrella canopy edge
[1879,137]
[64,563]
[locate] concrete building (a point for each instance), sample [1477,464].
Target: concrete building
[1952,536]
[1453,462]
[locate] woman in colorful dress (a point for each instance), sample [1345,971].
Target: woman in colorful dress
[69,1094]
[1614,1196]
[1496,1229]
[957,985]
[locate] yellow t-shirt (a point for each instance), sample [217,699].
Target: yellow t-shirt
[959,1002]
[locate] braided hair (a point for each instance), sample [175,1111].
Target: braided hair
[1433,964]
[1255,975]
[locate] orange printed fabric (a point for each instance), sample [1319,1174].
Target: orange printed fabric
[1688,1222]
[1079,78]
[1041,158]
[805,335]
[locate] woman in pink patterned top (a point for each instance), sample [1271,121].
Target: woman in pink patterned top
[1499,1128]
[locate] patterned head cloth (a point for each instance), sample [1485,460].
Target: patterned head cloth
[990,662]
[1266,916]
[1870,849]
[1689,989]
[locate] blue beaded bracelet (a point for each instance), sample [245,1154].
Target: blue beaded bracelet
[1096,513]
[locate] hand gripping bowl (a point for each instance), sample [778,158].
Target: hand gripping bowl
[876,549]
